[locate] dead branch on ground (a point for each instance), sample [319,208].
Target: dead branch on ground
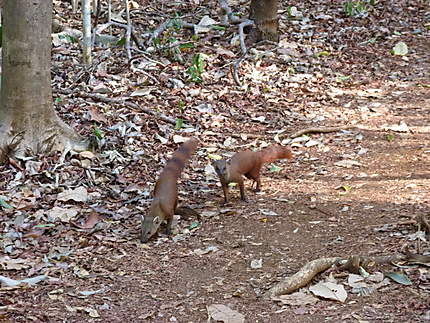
[352,264]
[302,277]
[318,130]
[120,101]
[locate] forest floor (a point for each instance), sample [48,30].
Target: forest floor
[351,192]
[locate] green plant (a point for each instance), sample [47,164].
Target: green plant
[98,133]
[196,69]
[181,106]
[179,123]
[357,8]
[175,23]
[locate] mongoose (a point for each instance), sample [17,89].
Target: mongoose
[165,199]
[247,163]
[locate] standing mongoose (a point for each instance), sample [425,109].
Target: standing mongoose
[165,199]
[247,163]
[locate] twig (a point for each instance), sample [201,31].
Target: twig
[236,68]
[128,30]
[121,101]
[227,14]
[157,32]
[242,25]
[319,130]
[97,15]
[131,61]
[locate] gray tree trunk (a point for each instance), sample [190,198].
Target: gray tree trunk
[28,122]
[264,13]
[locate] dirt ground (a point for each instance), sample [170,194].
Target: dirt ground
[350,192]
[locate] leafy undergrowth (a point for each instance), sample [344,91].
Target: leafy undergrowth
[72,225]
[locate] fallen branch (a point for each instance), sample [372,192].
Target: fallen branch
[302,277]
[121,101]
[319,130]
[227,14]
[352,264]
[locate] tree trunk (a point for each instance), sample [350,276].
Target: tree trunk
[28,122]
[264,13]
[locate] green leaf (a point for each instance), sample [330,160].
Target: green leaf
[186,46]
[400,49]
[69,38]
[275,169]
[97,132]
[198,62]
[346,188]
[57,100]
[179,123]
[390,137]
[193,225]
[322,53]
[4,205]
[121,42]
[343,78]
[216,27]
[181,106]
[214,156]
[399,278]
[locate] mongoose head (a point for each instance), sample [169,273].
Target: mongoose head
[220,167]
[149,226]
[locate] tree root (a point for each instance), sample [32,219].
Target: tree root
[302,277]
[352,264]
[319,130]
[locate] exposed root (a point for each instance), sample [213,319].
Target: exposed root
[319,130]
[56,136]
[302,277]
[351,264]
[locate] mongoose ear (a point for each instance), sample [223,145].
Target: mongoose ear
[156,220]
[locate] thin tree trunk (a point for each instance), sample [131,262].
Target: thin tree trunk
[28,123]
[86,27]
[264,13]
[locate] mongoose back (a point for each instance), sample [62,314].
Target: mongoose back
[165,199]
[247,163]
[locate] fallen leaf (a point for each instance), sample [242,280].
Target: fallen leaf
[347,163]
[79,194]
[400,49]
[329,290]
[296,299]
[95,115]
[62,214]
[401,127]
[256,263]
[92,220]
[220,312]
[30,281]
[200,252]
[399,278]
[8,263]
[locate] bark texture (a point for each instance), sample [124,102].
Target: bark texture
[28,122]
[264,13]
